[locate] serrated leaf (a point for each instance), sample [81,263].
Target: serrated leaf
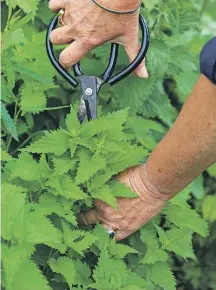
[20,271]
[96,162]
[13,202]
[64,266]
[25,167]
[54,142]
[177,240]
[208,208]
[119,251]
[161,275]
[194,222]
[106,195]
[40,230]
[8,122]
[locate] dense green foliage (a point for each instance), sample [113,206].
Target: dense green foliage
[53,167]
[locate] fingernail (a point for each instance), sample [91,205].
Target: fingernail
[144,73]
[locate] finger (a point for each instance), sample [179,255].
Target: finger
[88,218]
[61,35]
[56,5]
[132,50]
[73,53]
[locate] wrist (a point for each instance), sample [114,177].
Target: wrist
[137,178]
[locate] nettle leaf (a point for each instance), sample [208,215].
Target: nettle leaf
[111,124]
[78,240]
[25,167]
[160,274]
[5,156]
[106,195]
[13,204]
[121,190]
[20,271]
[64,266]
[96,162]
[40,230]
[54,142]
[83,273]
[50,204]
[178,241]
[109,273]
[119,251]
[208,208]
[72,122]
[8,122]
[175,211]
[65,187]
[62,165]
[27,6]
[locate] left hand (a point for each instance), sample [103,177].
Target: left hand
[132,213]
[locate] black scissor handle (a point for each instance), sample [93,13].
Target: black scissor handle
[107,75]
[139,58]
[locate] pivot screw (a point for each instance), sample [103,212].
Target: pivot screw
[88,91]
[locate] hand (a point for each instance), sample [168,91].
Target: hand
[88,26]
[132,213]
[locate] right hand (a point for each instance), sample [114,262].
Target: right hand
[88,26]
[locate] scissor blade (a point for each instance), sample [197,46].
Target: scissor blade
[82,111]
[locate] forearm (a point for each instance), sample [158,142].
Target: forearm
[190,145]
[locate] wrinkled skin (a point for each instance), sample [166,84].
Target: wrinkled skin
[87,26]
[132,213]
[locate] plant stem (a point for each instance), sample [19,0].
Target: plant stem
[25,141]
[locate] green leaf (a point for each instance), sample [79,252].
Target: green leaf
[14,38]
[62,165]
[121,190]
[13,202]
[5,156]
[106,195]
[197,187]
[25,167]
[78,240]
[119,251]
[64,266]
[212,170]
[49,204]
[160,274]
[27,6]
[40,230]
[178,241]
[8,122]
[72,121]
[176,210]
[54,142]
[83,273]
[20,272]
[96,162]
[208,208]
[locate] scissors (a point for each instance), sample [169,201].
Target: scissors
[91,85]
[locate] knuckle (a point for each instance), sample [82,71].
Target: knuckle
[90,41]
[108,211]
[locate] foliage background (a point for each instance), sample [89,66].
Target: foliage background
[35,101]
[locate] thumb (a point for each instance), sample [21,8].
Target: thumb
[88,218]
[132,50]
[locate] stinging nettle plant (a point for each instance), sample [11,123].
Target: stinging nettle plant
[60,167]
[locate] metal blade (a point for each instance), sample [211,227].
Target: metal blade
[82,111]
